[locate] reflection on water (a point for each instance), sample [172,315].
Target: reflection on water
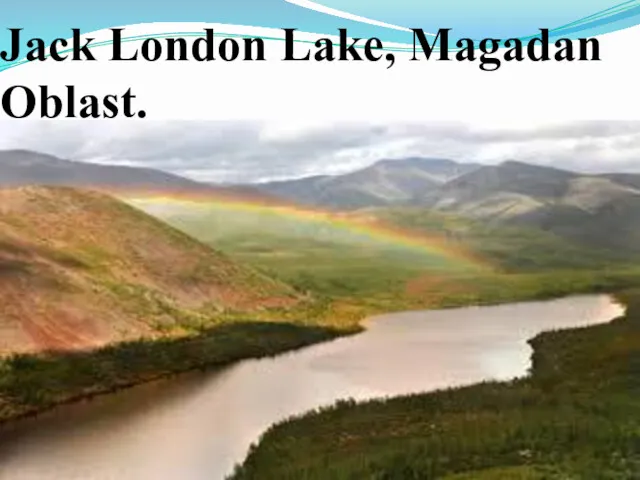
[199,425]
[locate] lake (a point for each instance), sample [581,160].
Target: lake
[197,426]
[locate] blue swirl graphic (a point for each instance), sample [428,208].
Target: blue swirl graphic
[467,18]
[495,18]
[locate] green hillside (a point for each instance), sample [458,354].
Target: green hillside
[514,248]
[314,256]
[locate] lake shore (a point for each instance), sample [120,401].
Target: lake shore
[40,383]
[33,384]
[574,416]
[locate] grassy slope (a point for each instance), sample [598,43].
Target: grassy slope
[326,262]
[79,269]
[576,416]
[515,249]
[369,278]
[313,256]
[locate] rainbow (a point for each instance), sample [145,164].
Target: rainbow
[357,223]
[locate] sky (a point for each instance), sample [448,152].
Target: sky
[258,151]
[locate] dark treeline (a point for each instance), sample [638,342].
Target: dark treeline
[32,383]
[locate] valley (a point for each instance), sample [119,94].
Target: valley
[113,276]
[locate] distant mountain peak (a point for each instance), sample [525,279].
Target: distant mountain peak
[385,182]
[23,156]
[25,167]
[524,166]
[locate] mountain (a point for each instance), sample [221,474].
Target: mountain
[79,269]
[383,183]
[596,210]
[626,179]
[25,167]
[20,167]
[499,191]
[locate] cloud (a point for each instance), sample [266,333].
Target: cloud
[251,151]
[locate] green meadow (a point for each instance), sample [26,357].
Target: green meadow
[313,255]
[338,264]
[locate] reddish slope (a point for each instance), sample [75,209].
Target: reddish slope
[80,269]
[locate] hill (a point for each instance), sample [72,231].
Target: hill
[79,269]
[600,211]
[25,167]
[511,248]
[326,253]
[627,179]
[504,190]
[384,183]
[21,167]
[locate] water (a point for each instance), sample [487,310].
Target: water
[198,426]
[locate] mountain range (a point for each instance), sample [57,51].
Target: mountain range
[601,210]
[384,183]
[25,167]
[79,268]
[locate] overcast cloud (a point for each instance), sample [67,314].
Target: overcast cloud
[240,152]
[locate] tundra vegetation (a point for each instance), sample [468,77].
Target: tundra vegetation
[98,295]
